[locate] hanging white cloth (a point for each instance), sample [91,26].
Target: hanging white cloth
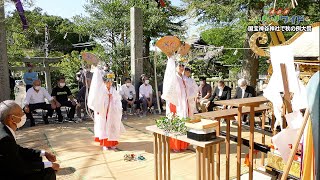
[95,92]
[283,54]
[170,82]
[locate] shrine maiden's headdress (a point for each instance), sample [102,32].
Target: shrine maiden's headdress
[109,76]
[181,60]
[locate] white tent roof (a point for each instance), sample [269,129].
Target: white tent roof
[307,44]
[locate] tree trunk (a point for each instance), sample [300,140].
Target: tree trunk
[4,67]
[250,64]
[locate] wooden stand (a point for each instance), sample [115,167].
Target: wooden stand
[227,115]
[252,103]
[204,153]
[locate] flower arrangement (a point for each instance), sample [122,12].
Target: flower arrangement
[172,124]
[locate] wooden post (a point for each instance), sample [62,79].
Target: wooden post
[4,70]
[239,144]
[198,156]
[251,143]
[228,149]
[263,135]
[136,29]
[218,152]
[160,155]
[168,157]
[286,97]
[156,82]
[47,77]
[155,152]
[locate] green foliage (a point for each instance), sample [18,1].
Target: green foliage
[229,21]
[30,42]
[109,21]
[68,67]
[172,124]
[227,36]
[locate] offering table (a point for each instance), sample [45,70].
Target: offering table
[204,155]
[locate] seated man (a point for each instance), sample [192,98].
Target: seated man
[128,94]
[244,91]
[61,93]
[203,95]
[221,92]
[35,99]
[17,162]
[81,98]
[145,95]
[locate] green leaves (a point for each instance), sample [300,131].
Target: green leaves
[172,124]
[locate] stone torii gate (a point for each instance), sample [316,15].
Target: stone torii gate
[45,68]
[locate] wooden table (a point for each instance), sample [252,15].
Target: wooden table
[240,103]
[204,155]
[227,115]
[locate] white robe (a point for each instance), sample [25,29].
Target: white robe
[179,91]
[193,90]
[105,127]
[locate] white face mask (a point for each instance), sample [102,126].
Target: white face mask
[243,88]
[146,81]
[128,84]
[37,88]
[62,84]
[220,87]
[22,122]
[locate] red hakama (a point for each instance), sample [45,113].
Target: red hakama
[105,142]
[176,144]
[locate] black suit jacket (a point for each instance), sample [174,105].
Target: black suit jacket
[226,94]
[15,161]
[249,92]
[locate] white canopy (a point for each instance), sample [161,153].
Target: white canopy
[307,44]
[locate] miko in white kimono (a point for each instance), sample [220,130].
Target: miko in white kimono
[105,101]
[179,93]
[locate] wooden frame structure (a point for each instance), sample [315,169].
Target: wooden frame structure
[46,68]
[206,169]
[228,114]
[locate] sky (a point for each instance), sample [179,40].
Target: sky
[70,8]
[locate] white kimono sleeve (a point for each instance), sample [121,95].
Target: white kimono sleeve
[114,124]
[170,83]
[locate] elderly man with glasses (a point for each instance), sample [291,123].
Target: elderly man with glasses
[17,162]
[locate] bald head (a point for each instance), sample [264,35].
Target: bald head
[242,82]
[37,83]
